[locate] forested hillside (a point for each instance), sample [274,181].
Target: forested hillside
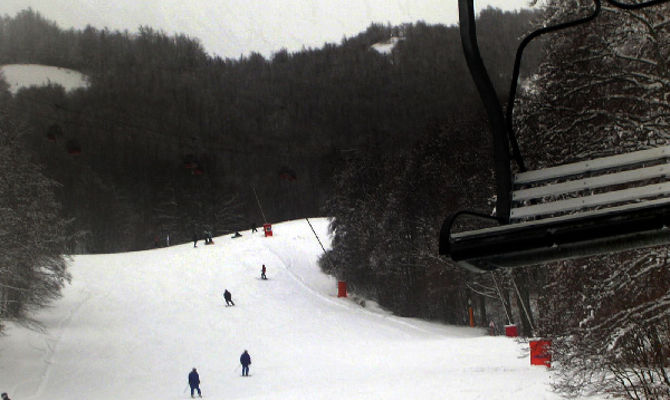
[169,140]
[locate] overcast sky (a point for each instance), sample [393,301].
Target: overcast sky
[230,28]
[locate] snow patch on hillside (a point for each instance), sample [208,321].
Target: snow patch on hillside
[387,46]
[20,76]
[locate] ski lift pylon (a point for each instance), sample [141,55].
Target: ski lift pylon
[553,214]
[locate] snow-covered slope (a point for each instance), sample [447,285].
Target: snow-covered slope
[387,46]
[133,325]
[26,75]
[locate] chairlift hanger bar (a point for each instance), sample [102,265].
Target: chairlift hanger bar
[487,92]
[517,66]
[524,43]
[635,6]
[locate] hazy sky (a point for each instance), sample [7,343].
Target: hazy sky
[230,28]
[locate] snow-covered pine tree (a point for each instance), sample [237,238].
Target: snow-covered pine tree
[32,234]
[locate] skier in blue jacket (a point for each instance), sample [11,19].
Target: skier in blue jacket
[194,382]
[245,360]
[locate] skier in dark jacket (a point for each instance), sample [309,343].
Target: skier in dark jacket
[5,396]
[194,382]
[195,240]
[263,276]
[245,360]
[228,297]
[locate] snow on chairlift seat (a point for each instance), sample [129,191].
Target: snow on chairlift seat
[575,210]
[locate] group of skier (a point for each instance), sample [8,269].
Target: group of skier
[228,297]
[194,377]
[245,358]
[208,236]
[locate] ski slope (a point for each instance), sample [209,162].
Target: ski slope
[133,325]
[20,76]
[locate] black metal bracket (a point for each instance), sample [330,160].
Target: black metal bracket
[448,224]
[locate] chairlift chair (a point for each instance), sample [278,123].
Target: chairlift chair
[73,148]
[54,132]
[593,207]
[190,161]
[287,174]
[198,170]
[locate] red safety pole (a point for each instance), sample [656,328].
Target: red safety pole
[470,313]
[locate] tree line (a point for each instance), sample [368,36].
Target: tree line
[157,103]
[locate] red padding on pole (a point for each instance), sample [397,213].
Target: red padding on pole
[341,289]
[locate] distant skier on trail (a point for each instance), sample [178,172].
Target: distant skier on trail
[194,382]
[5,396]
[263,272]
[253,227]
[228,297]
[245,360]
[195,240]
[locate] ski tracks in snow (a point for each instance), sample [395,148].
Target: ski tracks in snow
[287,265]
[51,346]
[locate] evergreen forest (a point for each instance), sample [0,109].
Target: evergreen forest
[168,140]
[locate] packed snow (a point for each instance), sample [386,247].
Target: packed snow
[20,76]
[133,325]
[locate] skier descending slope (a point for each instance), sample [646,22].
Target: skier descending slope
[245,360]
[228,297]
[194,382]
